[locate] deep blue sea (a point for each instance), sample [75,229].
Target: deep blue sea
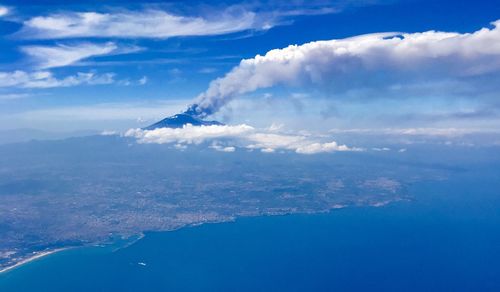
[447,239]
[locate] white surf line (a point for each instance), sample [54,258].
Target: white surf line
[38,255]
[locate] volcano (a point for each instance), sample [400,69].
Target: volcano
[179,120]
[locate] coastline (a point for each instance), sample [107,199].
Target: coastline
[141,235]
[35,257]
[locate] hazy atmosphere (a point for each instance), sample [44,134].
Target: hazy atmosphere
[349,145]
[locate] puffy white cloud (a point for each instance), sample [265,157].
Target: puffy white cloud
[64,55]
[136,24]
[274,141]
[236,136]
[108,133]
[218,147]
[381,149]
[45,79]
[322,147]
[3,11]
[188,134]
[143,80]
[380,60]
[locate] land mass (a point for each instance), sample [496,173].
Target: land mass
[99,189]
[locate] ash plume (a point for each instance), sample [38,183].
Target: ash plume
[378,61]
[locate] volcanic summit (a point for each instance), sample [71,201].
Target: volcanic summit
[179,120]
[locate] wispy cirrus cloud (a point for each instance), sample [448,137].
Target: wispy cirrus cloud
[157,21]
[11,96]
[45,79]
[61,55]
[140,24]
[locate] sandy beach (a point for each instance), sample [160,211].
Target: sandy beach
[35,256]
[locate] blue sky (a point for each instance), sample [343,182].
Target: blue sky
[122,64]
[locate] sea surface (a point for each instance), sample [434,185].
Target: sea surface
[447,239]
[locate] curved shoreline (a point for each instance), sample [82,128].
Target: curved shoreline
[37,256]
[141,235]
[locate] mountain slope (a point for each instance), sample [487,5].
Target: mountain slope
[179,120]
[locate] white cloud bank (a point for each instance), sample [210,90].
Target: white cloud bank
[380,60]
[188,134]
[139,24]
[430,132]
[227,138]
[63,55]
[45,79]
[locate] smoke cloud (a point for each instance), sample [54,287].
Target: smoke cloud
[377,60]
